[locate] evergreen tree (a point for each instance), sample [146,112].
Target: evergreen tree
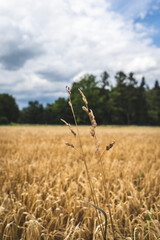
[120,78]
[104,79]
[154,104]
[141,104]
[131,97]
[118,100]
[104,108]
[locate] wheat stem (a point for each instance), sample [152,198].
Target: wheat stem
[84,160]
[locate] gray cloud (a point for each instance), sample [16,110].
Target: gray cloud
[53,76]
[14,56]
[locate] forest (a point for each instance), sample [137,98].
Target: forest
[126,103]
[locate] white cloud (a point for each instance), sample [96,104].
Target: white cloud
[142,64]
[45,44]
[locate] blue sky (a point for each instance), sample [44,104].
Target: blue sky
[145,12]
[49,44]
[152,20]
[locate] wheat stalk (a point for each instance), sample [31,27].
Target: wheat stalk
[81,147]
[93,134]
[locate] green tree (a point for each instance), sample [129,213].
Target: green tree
[89,87]
[153,97]
[117,103]
[141,114]
[9,111]
[132,98]
[104,107]
[49,114]
[104,80]
[131,80]
[33,114]
[118,100]
[55,111]
[120,78]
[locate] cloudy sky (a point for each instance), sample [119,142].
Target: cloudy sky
[48,44]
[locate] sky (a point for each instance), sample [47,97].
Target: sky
[50,44]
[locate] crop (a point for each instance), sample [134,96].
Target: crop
[44,184]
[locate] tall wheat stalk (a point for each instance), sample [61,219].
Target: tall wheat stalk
[93,134]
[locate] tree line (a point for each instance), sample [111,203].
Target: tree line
[126,103]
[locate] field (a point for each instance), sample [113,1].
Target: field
[44,184]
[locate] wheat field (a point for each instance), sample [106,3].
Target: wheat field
[44,184]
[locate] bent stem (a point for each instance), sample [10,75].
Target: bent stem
[103,178]
[105,215]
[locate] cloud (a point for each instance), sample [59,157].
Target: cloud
[18,43]
[142,64]
[53,76]
[44,45]
[16,57]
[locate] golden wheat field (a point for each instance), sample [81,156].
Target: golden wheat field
[44,184]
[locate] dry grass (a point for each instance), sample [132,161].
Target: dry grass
[43,183]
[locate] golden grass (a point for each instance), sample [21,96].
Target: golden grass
[43,183]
